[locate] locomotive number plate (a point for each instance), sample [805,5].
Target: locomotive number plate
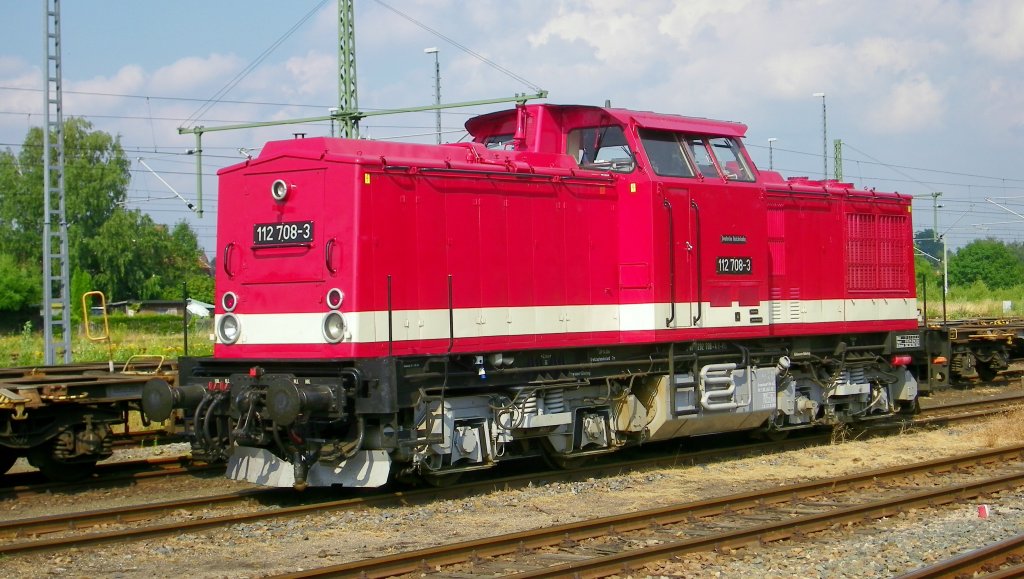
[734,266]
[291,233]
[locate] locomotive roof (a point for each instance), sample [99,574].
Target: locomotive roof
[647,119]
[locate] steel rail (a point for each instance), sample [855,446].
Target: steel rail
[980,401]
[118,515]
[77,521]
[431,558]
[624,562]
[23,484]
[972,562]
[72,521]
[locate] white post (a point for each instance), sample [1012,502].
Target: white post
[824,135]
[945,267]
[437,89]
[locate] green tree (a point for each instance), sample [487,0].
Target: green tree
[132,257]
[926,243]
[19,287]
[81,283]
[96,178]
[127,256]
[191,262]
[986,260]
[1017,248]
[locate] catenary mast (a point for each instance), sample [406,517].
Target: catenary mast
[56,286]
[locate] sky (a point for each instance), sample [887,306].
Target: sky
[926,95]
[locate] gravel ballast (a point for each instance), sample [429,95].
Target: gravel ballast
[884,548]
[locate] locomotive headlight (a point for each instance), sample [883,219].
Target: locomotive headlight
[229,300]
[228,329]
[334,327]
[279,190]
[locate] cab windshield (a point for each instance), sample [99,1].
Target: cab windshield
[680,155]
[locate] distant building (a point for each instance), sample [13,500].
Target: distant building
[166,307]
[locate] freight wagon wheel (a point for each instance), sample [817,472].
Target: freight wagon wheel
[7,458]
[58,470]
[986,372]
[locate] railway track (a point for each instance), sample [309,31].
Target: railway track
[622,544]
[966,410]
[37,534]
[28,483]
[324,501]
[1001,560]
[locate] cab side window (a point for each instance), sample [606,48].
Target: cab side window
[665,152]
[601,149]
[701,156]
[503,142]
[727,152]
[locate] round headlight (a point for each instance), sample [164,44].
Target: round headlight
[229,329]
[334,298]
[229,300]
[334,327]
[279,190]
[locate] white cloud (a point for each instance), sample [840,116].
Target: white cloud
[1003,103]
[311,74]
[996,29]
[619,32]
[910,105]
[128,80]
[195,74]
[719,58]
[689,22]
[893,55]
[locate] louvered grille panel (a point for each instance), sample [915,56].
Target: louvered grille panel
[874,259]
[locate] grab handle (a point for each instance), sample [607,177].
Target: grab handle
[227,259]
[327,256]
[700,298]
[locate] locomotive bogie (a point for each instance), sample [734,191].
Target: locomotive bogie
[287,429]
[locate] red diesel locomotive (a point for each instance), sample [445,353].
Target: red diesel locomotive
[574,280]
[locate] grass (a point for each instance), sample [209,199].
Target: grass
[961,309]
[974,301]
[138,335]
[1006,429]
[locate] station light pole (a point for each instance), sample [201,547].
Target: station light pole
[824,135]
[437,88]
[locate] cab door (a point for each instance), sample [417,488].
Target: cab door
[279,239]
[677,204]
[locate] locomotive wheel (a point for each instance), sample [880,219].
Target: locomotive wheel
[566,462]
[7,458]
[986,372]
[442,481]
[58,470]
[767,435]
[563,461]
[775,435]
[910,408]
